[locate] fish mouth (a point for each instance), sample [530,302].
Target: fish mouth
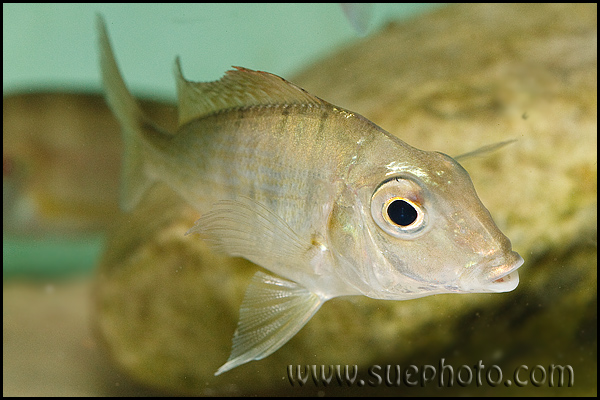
[503,275]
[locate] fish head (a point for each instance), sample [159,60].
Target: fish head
[416,227]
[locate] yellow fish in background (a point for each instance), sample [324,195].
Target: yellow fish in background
[318,195]
[61,153]
[59,173]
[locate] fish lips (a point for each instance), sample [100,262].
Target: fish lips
[499,275]
[503,275]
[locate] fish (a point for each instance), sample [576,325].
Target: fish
[327,203]
[359,15]
[60,165]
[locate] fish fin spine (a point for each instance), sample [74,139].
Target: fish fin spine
[239,87]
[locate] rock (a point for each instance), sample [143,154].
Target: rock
[453,80]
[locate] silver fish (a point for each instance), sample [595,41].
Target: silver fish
[326,201]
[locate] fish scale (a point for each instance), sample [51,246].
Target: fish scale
[246,160]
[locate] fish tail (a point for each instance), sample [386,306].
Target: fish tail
[134,179]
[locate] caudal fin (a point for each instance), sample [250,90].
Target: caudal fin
[134,181]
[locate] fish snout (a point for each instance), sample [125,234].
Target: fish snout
[497,275]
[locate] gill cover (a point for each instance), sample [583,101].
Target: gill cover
[354,234]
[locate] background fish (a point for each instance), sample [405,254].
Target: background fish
[61,156]
[359,16]
[312,192]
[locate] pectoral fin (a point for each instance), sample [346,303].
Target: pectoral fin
[246,228]
[272,312]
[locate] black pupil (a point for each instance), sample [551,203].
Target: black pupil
[401,213]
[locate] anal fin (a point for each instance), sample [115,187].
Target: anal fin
[272,312]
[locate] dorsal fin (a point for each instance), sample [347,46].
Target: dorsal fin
[240,87]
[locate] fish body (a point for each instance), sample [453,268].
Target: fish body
[324,199]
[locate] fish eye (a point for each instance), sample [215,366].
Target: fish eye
[400,212]
[396,209]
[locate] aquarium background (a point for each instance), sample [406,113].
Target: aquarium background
[54,45]
[445,86]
